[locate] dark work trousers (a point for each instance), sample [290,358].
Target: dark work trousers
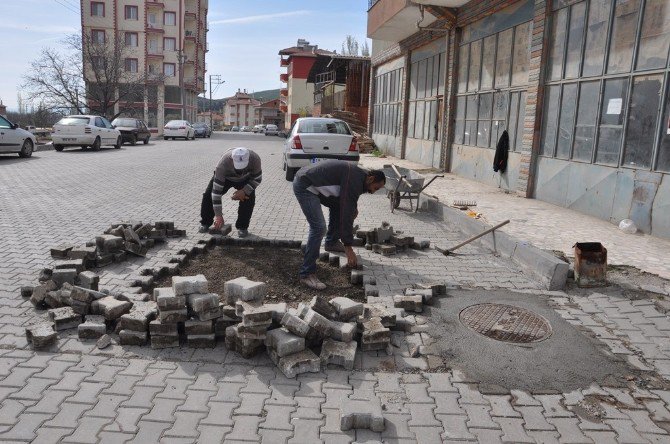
[333,233]
[244,210]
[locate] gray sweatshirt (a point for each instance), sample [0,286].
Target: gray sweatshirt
[251,177]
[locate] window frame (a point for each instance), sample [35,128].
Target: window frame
[128,63]
[131,34]
[173,40]
[97,31]
[171,14]
[97,3]
[127,9]
[174,69]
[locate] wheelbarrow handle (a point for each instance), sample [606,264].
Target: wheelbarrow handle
[430,181]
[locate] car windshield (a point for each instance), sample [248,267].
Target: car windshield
[176,122]
[73,121]
[323,127]
[199,125]
[271,127]
[124,122]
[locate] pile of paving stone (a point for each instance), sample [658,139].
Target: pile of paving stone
[386,241]
[114,245]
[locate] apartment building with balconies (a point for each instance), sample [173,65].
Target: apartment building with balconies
[165,43]
[240,109]
[299,92]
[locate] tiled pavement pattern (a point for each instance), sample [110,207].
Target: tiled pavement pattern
[545,225]
[79,394]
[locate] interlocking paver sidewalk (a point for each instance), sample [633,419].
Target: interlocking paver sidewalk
[543,224]
[76,393]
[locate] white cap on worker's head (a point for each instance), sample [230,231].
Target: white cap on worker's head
[240,158]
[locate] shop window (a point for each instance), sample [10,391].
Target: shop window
[664,149]
[488,62]
[498,124]
[550,119]
[655,35]
[642,116]
[463,60]
[566,121]
[484,125]
[513,119]
[520,61]
[622,41]
[418,123]
[585,128]
[459,123]
[504,58]
[521,121]
[575,38]
[411,118]
[596,37]
[558,44]
[475,65]
[611,121]
[470,136]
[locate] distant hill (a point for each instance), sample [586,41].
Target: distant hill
[266,95]
[217,104]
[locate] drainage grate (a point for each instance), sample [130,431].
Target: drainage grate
[506,323]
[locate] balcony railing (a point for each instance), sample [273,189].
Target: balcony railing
[284,92]
[283,62]
[283,77]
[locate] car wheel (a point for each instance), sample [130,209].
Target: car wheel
[58,147]
[119,141]
[146,141]
[290,173]
[26,149]
[96,144]
[84,147]
[165,138]
[133,140]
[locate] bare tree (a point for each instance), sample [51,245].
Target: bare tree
[365,49]
[93,75]
[350,46]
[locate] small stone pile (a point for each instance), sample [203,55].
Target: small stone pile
[119,240]
[385,241]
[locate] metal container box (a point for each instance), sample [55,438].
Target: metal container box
[590,264]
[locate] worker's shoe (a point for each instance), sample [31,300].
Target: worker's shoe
[335,247]
[203,229]
[242,233]
[313,282]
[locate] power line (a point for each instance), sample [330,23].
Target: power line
[72,3]
[66,6]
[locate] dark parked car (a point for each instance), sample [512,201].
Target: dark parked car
[202,130]
[132,130]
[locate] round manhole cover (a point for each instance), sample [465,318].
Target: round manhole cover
[506,323]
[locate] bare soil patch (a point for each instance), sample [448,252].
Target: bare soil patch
[276,266]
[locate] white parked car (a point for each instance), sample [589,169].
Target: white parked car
[178,128]
[85,131]
[271,130]
[15,140]
[313,139]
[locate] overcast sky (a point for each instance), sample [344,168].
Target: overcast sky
[244,37]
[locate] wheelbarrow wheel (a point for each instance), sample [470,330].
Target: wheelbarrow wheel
[394,199]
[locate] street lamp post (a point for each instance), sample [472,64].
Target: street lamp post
[181,57]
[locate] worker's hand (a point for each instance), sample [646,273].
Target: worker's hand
[352,260]
[218,222]
[240,195]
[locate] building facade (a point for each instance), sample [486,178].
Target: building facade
[155,35]
[299,92]
[239,109]
[580,86]
[269,113]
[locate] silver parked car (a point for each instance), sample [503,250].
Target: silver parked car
[16,140]
[271,130]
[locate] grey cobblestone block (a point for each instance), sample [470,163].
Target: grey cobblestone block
[361,413]
[305,430]
[93,327]
[283,342]
[346,309]
[64,318]
[245,290]
[201,341]
[253,314]
[278,417]
[534,419]
[338,353]
[294,324]
[41,335]
[130,337]
[245,428]
[185,425]
[185,285]
[173,316]
[200,303]
[297,363]
[110,307]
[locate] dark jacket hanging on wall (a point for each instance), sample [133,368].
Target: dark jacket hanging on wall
[500,159]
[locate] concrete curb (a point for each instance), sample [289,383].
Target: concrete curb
[552,271]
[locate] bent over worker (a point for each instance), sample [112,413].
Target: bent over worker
[239,168]
[324,183]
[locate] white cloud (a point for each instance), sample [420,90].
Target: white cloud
[259,18]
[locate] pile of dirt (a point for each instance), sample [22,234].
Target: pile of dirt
[278,267]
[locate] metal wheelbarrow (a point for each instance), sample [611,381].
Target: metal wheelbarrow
[403,183]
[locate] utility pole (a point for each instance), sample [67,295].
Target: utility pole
[181,57]
[213,78]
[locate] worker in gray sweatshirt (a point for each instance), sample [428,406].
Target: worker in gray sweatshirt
[239,168]
[337,184]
